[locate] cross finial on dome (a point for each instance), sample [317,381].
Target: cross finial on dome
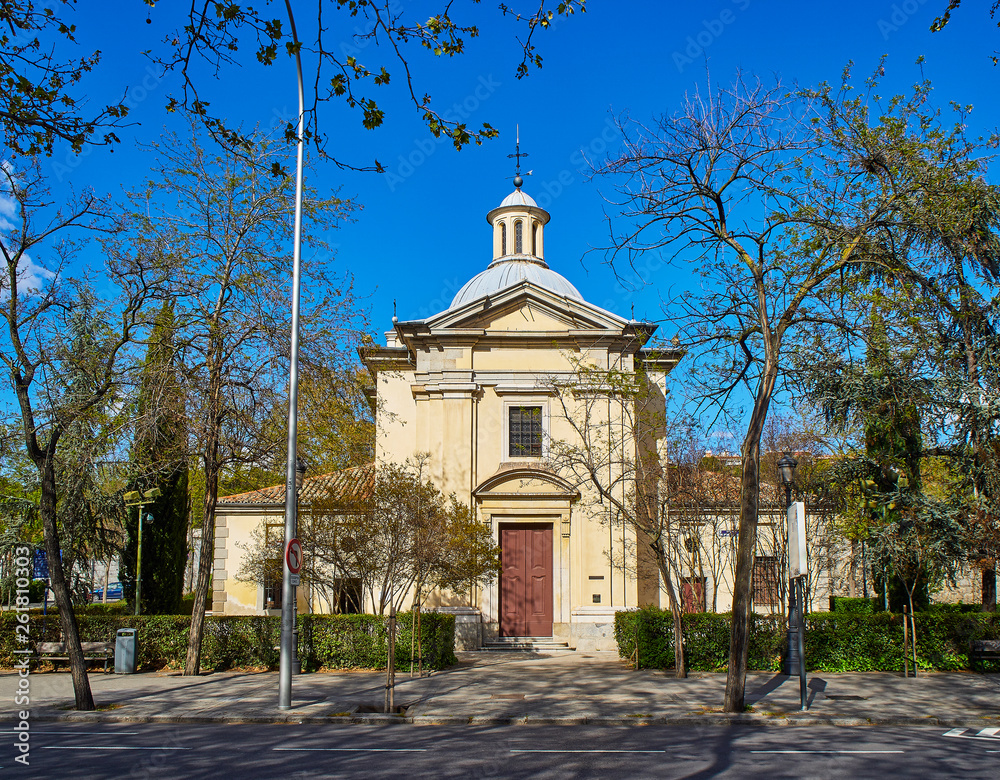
[518,154]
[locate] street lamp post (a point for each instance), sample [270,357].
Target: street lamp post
[134,498]
[291,517]
[796,565]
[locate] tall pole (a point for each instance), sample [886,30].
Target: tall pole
[802,642]
[291,519]
[793,612]
[138,565]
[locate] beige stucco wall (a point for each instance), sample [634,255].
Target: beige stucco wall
[234,525]
[452,403]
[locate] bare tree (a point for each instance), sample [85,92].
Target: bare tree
[55,384]
[614,456]
[781,199]
[219,226]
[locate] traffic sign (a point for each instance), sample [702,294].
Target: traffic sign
[41,565]
[293,556]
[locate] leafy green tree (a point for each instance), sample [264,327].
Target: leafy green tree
[41,100]
[368,53]
[355,68]
[394,532]
[336,423]
[90,512]
[160,460]
[922,541]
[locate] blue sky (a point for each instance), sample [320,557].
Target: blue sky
[422,232]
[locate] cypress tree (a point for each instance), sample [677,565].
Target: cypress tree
[159,459]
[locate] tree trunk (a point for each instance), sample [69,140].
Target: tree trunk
[852,582]
[210,458]
[680,662]
[206,559]
[739,638]
[57,579]
[989,590]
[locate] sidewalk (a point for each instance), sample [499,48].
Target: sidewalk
[506,688]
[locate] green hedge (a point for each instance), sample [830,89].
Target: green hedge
[853,604]
[834,642]
[249,642]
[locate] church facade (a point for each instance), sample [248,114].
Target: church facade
[479,388]
[472,386]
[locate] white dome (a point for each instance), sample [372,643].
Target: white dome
[509,272]
[518,198]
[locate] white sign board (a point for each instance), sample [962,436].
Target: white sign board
[797,562]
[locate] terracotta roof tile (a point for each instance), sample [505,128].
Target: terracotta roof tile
[346,486]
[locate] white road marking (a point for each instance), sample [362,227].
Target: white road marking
[990,734]
[828,751]
[77,733]
[355,750]
[569,750]
[111,747]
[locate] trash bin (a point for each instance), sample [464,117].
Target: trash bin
[125,651]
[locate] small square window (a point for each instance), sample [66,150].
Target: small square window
[525,432]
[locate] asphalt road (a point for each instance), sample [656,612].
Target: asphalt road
[61,750]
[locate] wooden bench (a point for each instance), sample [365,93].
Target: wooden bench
[983,650]
[55,652]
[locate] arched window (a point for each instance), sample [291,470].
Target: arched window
[503,238]
[518,237]
[534,238]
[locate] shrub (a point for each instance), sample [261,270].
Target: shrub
[958,607]
[834,641]
[36,591]
[852,605]
[706,639]
[241,642]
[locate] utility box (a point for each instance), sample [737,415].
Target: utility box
[125,651]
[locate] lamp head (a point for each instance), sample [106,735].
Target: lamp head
[786,469]
[300,473]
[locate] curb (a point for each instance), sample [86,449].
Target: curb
[378,719]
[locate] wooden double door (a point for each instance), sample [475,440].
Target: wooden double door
[526,579]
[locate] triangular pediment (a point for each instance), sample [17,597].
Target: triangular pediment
[527,307]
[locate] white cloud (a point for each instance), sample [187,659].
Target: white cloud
[8,210]
[31,277]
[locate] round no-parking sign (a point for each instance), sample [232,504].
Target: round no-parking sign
[293,556]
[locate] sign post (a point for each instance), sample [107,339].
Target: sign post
[293,559]
[798,570]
